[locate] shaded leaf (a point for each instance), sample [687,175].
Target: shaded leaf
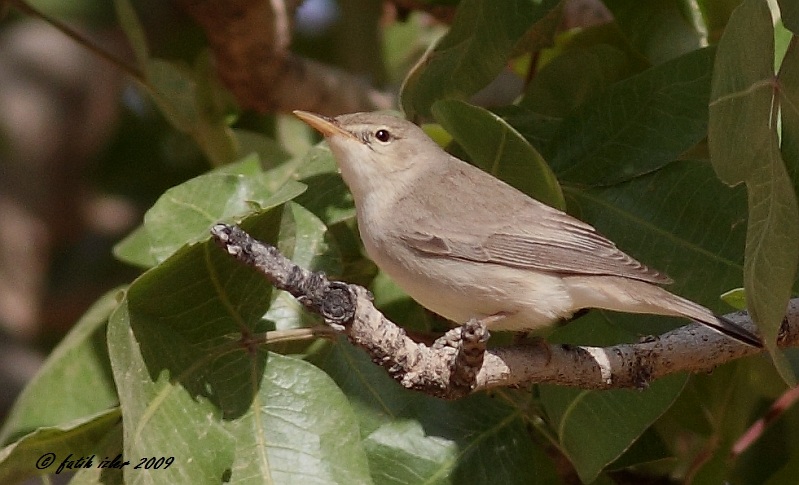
[182,95]
[413,438]
[482,38]
[789,11]
[303,239]
[575,77]
[189,99]
[649,448]
[744,148]
[327,195]
[788,79]
[661,30]
[719,408]
[536,128]
[107,449]
[269,151]
[594,428]
[638,125]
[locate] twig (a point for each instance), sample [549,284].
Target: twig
[458,363]
[80,39]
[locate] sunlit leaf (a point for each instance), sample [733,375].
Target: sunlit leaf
[44,450]
[77,371]
[225,409]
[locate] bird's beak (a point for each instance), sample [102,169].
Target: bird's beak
[324,125]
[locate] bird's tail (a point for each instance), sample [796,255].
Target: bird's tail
[730,329]
[702,315]
[633,296]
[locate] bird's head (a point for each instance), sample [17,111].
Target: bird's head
[375,151]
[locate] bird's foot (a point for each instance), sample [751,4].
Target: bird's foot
[469,343]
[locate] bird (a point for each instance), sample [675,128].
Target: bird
[466,245]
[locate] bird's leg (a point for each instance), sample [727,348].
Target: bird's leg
[532,340]
[579,313]
[469,342]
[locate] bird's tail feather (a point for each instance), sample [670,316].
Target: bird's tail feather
[702,315]
[627,295]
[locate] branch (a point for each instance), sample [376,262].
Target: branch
[458,363]
[250,41]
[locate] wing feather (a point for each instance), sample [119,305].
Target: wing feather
[528,235]
[581,253]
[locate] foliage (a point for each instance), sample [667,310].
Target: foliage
[615,124]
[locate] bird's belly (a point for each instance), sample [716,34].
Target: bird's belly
[460,290]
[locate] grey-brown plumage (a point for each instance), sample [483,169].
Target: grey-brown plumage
[466,245]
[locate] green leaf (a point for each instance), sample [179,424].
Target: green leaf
[134,249]
[716,14]
[575,77]
[184,213]
[327,195]
[744,148]
[482,38]
[269,151]
[494,146]
[594,428]
[637,126]
[659,29]
[190,99]
[108,449]
[536,128]
[303,239]
[736,298]
[181,95]
[412,438]
[130,24]
[175,93]
[719,409]
[789,109]
[224,407]
[789,10]
[649,448]
[77,371]
[45,449]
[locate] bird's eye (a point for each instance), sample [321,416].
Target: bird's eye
[383,135]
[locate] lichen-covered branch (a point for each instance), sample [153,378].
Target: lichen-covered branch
[459,363]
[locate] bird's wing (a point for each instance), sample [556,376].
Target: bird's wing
[556,243]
